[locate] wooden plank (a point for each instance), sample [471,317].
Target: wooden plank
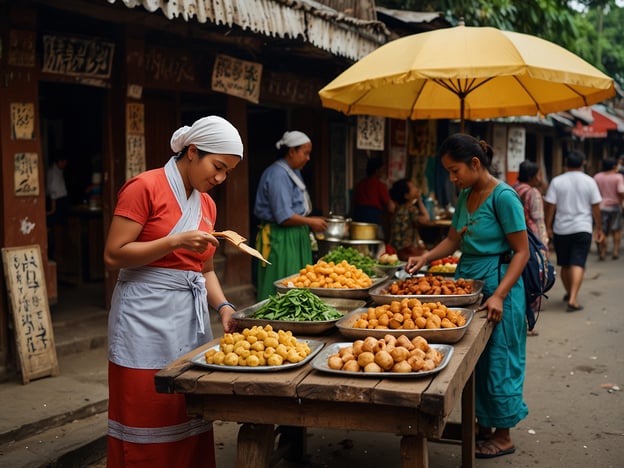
[255,445]
[323,386]
[34,334]
[414,452]
[310,413]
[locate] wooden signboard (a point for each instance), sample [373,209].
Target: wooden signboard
[26,286]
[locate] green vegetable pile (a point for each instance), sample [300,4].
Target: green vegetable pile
[299,305]
[353,257]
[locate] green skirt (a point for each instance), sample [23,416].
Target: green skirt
[287,248]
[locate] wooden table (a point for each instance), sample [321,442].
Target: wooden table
[418,409]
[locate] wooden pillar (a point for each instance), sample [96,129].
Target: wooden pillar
[236,215]
[22,209]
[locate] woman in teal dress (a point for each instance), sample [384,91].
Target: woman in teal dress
[495,249]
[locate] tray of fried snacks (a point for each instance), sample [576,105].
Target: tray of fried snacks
[258,349]
[388,357]
[328,279]
[431,320]
[429,288]
[298,310]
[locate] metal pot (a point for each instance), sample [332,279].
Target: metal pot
[363,231]
[337,227]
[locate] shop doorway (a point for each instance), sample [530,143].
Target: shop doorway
[71,128]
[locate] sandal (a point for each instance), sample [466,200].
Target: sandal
[532,333]
[492,450]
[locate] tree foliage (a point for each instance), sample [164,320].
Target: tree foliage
[593,32]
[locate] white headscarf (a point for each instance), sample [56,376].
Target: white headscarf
[212,134]
[293,139]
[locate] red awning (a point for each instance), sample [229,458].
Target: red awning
[603,122]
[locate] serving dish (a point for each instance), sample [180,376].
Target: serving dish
[320,363]
[200,360]
[446,274]
[432,335]
[379,295]
[243,317]
[344,293]
[390,269]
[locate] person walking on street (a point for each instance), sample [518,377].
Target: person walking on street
[488,227]
[283,207]
[529,179]
[572,206]
[160,241]
[611,185]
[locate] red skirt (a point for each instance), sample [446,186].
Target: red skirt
[149,429]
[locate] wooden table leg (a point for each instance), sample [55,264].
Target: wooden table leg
[414,452]
[468,423]
[255,445]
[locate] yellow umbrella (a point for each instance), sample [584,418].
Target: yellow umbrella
[466,73]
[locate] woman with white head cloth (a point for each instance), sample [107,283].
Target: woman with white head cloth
[283,207]
[160,242]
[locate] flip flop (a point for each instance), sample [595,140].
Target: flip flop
[493,450]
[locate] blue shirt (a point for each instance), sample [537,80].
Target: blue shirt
[278,197]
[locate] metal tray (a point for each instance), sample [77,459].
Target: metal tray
[344,306]
[320,363]
[380,296]
[344,293]
[200,360]
[435,335]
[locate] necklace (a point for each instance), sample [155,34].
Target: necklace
[482,193]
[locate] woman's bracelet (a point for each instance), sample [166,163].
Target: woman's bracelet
[223,304]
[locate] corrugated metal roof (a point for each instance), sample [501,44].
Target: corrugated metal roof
[411,16]
[309,20]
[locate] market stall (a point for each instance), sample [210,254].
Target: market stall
[415,405]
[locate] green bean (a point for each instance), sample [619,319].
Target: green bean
[296,305]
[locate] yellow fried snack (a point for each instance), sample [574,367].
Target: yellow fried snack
[330,275]
[258,346]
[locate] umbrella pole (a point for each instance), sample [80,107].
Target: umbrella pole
[461,113]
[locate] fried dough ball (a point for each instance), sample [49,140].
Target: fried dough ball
[365,357]
[357,347]
[369,344]
[399,354]
[351,366]
[402,367]
[231,359]
[372,367]
[384,360]
[335,362]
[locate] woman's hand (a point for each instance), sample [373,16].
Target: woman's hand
[494,308]
[414,264]
[196,241]
[317,223]
[228,322]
